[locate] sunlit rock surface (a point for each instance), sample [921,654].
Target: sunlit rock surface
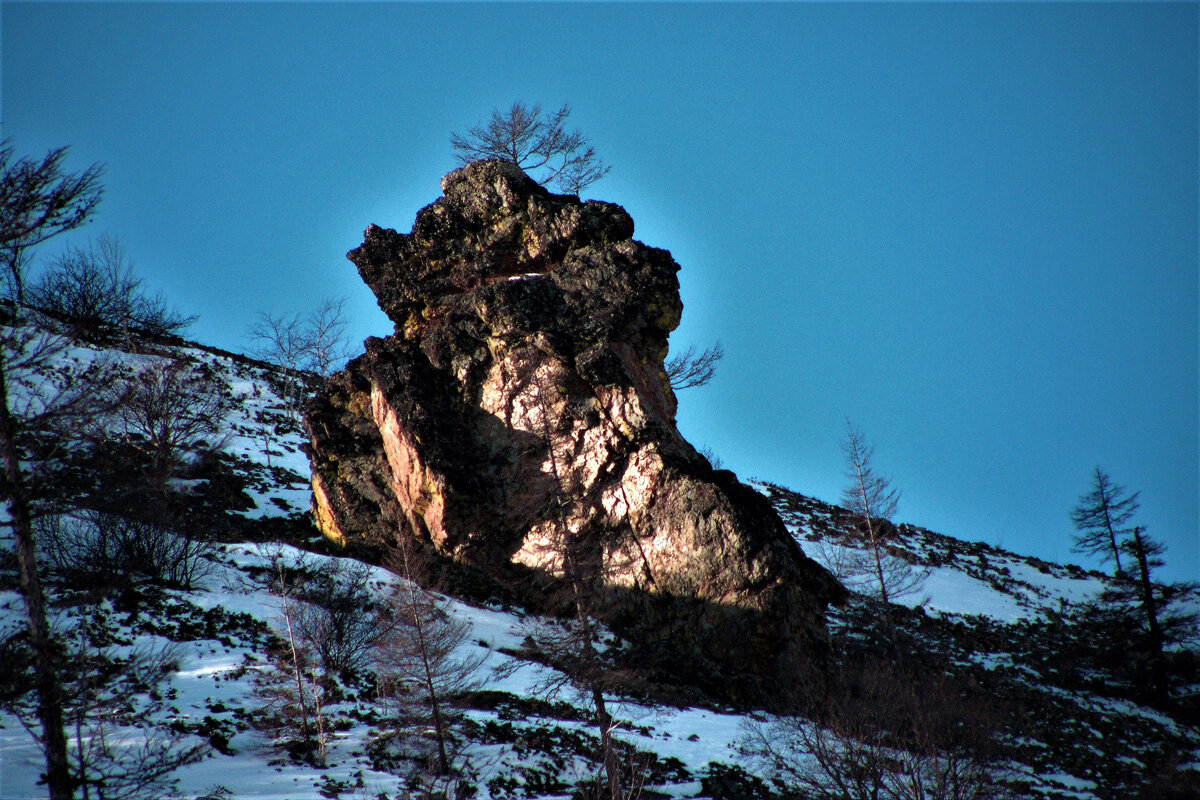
[521,413]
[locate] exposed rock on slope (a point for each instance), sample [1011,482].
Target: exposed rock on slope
[523,395]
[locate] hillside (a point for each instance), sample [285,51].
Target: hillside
[1070,718]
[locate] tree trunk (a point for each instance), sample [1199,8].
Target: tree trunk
[1112,540]
[300,693]
[1150,608]
[49,687]
[612,769]
[572,573]
[435,706]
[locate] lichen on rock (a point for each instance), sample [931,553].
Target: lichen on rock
[522,404]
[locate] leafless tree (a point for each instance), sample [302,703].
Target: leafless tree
[299,691]
[326,334]
[335,621]
[1100,517]
[37,201]
[1153,617]
[871,500]
[420,660]
[42,408]
[167,411]
[882,735]
[95,290]
[105,549]
[690,369]
[304,345]
[537,142]
[118,750]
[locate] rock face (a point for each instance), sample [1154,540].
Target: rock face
[519,423]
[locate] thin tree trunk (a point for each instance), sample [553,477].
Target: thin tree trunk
[318,703]
[612,769]
[572,574]
[435,705]
[287,616]
[873,536]
[1112,540]
[49,687]
[1147,587]
[1150,607]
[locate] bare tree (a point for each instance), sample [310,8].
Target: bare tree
[537,142]
[1100,516]
[420,659]
[98,548]
[871,499]
[336,621]
[95,290]
[1149,617]
[299,691]
[690,369]
[882,734]
[304,345]
[573,645]
[326,334]
[37,201]
[118,750]
[167,411]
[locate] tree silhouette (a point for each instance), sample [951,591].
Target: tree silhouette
[37,201]
[537,142]
[689,369]
[1099,518]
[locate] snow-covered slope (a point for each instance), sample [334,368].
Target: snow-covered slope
[1000,622]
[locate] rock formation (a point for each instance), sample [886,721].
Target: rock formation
[520,420]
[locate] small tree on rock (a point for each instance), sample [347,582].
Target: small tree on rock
[690,369]
[537,142]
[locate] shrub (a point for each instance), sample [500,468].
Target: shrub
[94,289]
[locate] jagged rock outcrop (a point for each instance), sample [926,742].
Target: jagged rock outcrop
[522,396]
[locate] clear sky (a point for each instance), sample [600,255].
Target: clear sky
[971,228]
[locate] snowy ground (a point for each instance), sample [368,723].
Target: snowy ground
[220,630]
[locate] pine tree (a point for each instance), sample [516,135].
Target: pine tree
[1100,516]
[1151,616]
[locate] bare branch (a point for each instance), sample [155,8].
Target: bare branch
[38,201]
[534,141]
[1100,517]
[870,498]
[305,346]
[689,369]
[420,658]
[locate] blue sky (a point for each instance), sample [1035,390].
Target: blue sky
[971,228]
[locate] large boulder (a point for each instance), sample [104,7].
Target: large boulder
[519,423]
